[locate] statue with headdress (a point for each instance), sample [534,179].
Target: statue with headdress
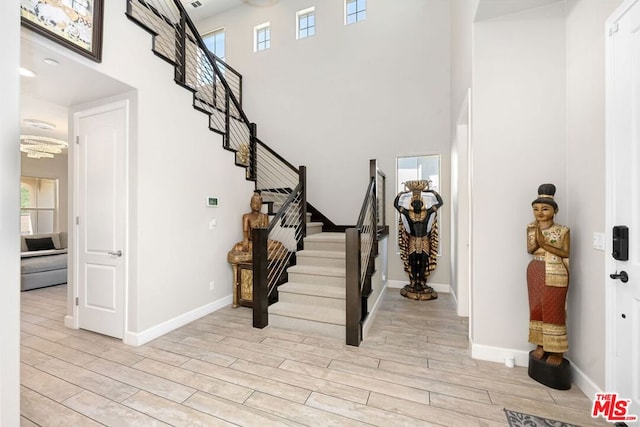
[418,236]
[547,283]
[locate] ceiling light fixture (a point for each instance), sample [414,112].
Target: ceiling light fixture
[40,124]
[37,147]
[50,61]
[260,3]
[25,72]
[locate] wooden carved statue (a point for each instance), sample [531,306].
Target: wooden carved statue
[241,255]
[547,283]
[418,236]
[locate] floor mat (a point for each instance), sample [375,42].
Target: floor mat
[518,419]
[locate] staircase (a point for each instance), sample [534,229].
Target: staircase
[321,295]
[314,298]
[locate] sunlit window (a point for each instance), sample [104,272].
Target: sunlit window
[215,42]
[262,37]
[355,11]
[306,23]
[38,205]
[426,167]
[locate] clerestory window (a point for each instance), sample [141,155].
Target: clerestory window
[306,23]
[262,37]
[355,11]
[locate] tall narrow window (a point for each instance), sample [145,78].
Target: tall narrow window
[262,37]
[417,167]
[306,23]
[38,205]
[215,42]
[355,11]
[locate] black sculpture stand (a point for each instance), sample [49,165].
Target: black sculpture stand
[419,293]
[558,377]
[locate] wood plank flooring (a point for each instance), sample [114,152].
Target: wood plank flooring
[414,369]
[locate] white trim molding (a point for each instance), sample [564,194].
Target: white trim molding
[140,338]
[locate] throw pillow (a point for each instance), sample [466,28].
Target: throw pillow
[42,244]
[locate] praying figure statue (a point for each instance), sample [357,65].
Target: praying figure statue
[547,279]
[418,237]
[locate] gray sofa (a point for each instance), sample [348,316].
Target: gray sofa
[43,260]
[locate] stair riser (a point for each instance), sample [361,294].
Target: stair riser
[313,229]
[316,279]
[324,246]
[322,262]
[307,326]
[317,302]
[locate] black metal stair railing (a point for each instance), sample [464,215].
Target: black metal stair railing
[361,250]
[216,86]
[217,91]
[274,249]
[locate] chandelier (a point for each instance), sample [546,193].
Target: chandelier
[38,147]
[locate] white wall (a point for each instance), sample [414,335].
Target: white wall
[462,17]
[518,143]
[179,163]
[586,198]
[375,89]
[55,168]
[175,163]
[545,116]
[9,216]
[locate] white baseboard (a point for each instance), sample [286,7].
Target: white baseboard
[499,355]
[70,322]
[438,287]
[140,338]
[372,314]
[583,382]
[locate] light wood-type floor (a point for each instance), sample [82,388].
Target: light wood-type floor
[413,369]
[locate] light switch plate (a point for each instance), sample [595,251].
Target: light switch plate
[598,241]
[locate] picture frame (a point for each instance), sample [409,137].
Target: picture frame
[75,24]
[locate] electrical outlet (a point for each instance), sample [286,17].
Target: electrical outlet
[212,284]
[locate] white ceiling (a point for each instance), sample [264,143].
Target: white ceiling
[55,88]
[488,9]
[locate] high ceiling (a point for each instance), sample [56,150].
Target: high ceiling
[488,9]
[55,88]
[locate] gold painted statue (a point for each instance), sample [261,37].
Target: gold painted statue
[241,255]
[254,219]
[418,237]
[547,279]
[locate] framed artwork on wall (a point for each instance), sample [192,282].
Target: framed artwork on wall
[75,24]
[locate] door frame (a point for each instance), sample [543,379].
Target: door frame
[463,134]
[127,102]
[610,265]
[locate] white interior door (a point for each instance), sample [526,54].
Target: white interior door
[101,218]
[623,194]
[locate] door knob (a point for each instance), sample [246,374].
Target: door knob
[118,253]
[623,276]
